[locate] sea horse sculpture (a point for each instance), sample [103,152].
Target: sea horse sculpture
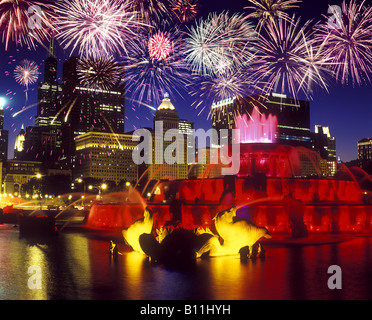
[237,234]
[139,227]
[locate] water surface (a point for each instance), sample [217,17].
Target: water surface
[78,266]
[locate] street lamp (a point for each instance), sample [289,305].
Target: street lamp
[2,102]
[102,188]
[80,180]
[39,176]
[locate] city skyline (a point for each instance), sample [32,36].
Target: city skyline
[185,150]
[345,109]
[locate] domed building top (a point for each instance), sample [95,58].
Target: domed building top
[166,103]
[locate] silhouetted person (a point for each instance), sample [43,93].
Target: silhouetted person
[114,251]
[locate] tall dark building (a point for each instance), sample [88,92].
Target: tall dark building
[43,141]
[39,144]
[4,137]
[324,143]
[293,116]
[88,109]
[166,117]
[365,154]
[49,100]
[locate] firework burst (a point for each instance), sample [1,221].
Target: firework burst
[268,10]
[210,89]
[99,72]
[146,78]
[25,22]
[349,42]
[289,60]
[97,27]
[159,46]
[26,73]
[184,10]
[220,43]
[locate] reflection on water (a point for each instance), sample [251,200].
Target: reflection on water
[76,266]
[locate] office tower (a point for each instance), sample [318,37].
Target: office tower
[4,138]
[293,115]
[19,145]
[43,141]
[88,109]
[105,156]
[49,96]
[365,154]
[37,143]
[324,143]
[167,118]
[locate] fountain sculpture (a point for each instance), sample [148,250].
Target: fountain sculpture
[279,188]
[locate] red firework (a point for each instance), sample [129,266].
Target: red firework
[159,46]
[185,10]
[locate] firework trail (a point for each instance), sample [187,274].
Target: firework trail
[220,43]
[63,108]
[26,22]
[70,108]
[143,104]
[96,27]
[349,42]
[23,110]
[269,10]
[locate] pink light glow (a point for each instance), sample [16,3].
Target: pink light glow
[258,128]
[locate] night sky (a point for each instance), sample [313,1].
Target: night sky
[346,110]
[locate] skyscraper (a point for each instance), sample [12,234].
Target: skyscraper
[167,118]
[365,154]
[88,109]
[49,95]
[43,141]
[105,156]
[4,137]
[325,145]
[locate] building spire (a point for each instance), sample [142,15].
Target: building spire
[51,47]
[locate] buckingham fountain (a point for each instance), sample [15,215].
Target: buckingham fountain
[279,189]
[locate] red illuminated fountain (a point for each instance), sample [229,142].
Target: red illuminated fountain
[258,128]
[282,188]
